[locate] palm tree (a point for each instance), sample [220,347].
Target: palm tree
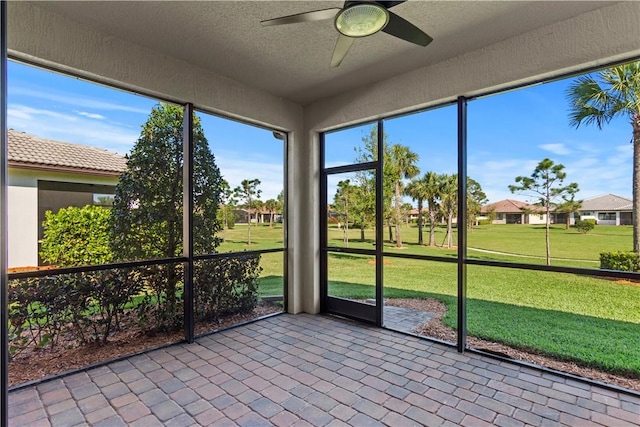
[416,189]
[432,196]
[449,202]
[403,164]
[272,206]
[597,99]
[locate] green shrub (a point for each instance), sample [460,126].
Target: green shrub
[484,222]
[585,225]
[224,286]
[87,306]
[76,236]
[622,261]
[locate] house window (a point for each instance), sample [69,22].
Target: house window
[607,216]
[103,199]
[586,213]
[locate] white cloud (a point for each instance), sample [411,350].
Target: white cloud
[91,115]
[559,149]
[22,112]
[235,167]
[75,100]
[71,128]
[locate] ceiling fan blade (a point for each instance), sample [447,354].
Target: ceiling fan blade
[316,15]
[389,4]
[340,51]
[405,30]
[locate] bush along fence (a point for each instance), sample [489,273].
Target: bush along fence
[90,306]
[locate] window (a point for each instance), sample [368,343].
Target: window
[607,216]
[103,199]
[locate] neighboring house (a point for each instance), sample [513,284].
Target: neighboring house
[49,175]
[510,211]
[608,209]
[413,214]
[242,216]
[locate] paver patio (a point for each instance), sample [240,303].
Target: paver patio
[316,370]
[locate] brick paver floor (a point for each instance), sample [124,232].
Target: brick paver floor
[313,370]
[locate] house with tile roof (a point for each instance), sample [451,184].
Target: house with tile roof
[49,175]
[509,211]
[608,209]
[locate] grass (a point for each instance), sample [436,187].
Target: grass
[513,242]
[592,321]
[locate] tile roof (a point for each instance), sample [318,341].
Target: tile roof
[511,206]
[30,151]
[607,202]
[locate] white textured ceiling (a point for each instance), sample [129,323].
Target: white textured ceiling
[292,61]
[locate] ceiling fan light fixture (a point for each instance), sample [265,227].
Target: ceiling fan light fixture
[361,20]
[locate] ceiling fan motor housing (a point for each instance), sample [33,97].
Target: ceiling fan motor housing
[361,19]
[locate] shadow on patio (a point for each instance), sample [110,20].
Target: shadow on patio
[317,370]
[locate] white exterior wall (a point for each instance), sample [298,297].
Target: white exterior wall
[594,38]
[22,219]
[22,210]
[537,219]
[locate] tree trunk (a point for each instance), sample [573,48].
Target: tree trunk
[449,230]
[568,221]
[547,224]
[432,227]
[398,222]
[636,185]
[362,232]
[390,230]
[420,240]
[249,224]
[271,219]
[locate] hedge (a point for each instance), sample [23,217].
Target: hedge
[90,306]
[621,261]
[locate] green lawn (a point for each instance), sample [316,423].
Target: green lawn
[595,322]
[514,242]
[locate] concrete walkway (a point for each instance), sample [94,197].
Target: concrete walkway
[306,370]
[405,319]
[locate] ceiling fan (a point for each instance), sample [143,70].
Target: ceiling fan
[359,19]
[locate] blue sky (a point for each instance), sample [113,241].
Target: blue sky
[508,134]
[54,106]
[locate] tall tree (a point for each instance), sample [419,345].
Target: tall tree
[248,193]
[227,204]
[146,218]
[416,189]
[476,197]
[546,184]
[449,202]
[432,196]
[343,203]
[272,206]
[281,207]
[364,203]
[597,99]
[403,166]
[369,153]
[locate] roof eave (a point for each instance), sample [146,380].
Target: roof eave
[65,169]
